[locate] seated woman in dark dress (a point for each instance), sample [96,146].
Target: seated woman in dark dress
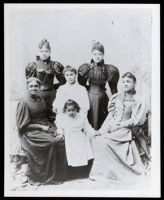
[38,137]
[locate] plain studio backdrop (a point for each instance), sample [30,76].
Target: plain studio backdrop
[125,33]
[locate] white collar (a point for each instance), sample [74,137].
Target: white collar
[72,85]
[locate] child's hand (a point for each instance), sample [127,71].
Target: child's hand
[60,137]
[60,131]
[97,133]
[60,134]
[55,110]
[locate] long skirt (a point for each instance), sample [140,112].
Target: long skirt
[44,153]
[116,161]
[98,109]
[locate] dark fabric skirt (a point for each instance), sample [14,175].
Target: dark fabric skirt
[46,156]
[98,109]
[79,172]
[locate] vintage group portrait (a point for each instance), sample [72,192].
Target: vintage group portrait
[82,100]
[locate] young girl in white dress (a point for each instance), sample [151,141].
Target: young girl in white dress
[77,132]
[71,90]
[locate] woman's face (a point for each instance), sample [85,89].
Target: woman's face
[128,84]
[33,88]
[97,56]
[44,53]
[70,77]
[71,111]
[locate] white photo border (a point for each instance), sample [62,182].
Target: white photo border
[155,103]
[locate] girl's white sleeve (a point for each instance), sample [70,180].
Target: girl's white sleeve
[84,100]
[88,128]
[59,124]
[57,104]
[59,120]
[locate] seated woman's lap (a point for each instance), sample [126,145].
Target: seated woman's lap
[41,138]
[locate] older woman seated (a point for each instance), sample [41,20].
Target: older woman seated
[38,137]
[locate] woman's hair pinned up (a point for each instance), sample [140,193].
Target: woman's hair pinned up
[44,42]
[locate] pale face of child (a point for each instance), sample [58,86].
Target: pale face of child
[70,77]
[71,111]
[97,56]
[128,84]
[33,88]
[44,53]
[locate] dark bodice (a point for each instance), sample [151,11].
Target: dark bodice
[31,111]
[97,75]
[97,79]
[45,71]
[37,110]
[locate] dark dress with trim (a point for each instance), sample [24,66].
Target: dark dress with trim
[43,150]
[46,71]
[97,75]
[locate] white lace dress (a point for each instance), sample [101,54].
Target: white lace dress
[78,139]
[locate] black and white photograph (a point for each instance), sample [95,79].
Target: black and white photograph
[82,100]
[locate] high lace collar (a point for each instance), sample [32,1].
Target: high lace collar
[43,61]
[76,83]
[97,64]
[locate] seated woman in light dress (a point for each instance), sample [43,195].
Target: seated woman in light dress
[77,132]
[116,155]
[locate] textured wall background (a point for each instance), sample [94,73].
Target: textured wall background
[125,33]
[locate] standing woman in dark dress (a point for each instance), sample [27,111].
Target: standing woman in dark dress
[38,137]
[97,73]
[46,70]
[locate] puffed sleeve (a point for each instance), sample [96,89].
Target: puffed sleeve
[30,70]
[58,102]
[83,74]
[113,76]
[58,67]
[83,100]
[88,128]
[22,116]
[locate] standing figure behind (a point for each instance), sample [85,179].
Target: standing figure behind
[71,90]
[46,70]
[97,73]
